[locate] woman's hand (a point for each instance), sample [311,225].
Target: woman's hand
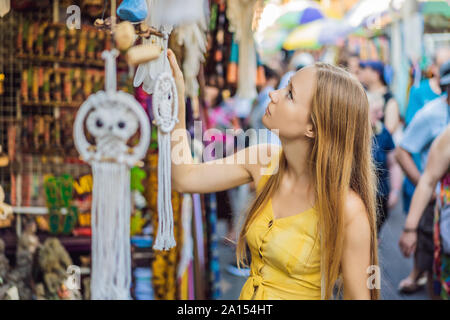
[408,242]
[176,73]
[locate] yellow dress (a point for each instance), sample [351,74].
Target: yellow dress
[285,256]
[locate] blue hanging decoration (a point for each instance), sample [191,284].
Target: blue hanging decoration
[133,10]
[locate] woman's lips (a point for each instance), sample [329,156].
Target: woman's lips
[268,111]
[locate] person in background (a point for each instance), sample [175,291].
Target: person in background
[437,170]
[427,124]
[382,151]
[429,89]
[296,63]
[371,75]
[353,64]
[261,103]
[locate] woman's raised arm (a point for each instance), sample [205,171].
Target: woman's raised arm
[211,176]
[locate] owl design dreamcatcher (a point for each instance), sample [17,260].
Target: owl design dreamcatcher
[111,118]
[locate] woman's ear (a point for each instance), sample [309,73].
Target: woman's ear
[310,133]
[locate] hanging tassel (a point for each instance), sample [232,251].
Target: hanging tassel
[111,261]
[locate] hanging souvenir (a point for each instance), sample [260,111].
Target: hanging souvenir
[163,16]
[165,112]
[132,10]
[111,117]
[5,209]
[240,14]
[193,38]
[5,6]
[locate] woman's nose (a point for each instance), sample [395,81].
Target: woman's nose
[273,96]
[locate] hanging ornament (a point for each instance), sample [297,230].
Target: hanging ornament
[5,209]
[165,111]
[240,15]
[163,16]
[5,6]
[147,73]
[132,10]
[111,117]
[192,37]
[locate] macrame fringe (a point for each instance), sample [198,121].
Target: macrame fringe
[165,238]
[165,111]
[111,207]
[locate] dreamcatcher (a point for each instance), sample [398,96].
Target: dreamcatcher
[112,118]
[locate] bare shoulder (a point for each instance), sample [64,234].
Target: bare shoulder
[355,210]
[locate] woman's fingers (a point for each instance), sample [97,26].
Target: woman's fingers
[174,64]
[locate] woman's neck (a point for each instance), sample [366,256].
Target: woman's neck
[297,156]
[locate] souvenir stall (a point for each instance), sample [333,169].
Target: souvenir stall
[64,175]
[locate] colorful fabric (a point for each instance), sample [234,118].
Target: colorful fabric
[213,243]
[441,265]
[222,116]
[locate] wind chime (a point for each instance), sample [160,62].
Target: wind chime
[111,118]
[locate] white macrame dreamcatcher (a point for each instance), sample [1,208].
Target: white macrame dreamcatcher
[111,117]
[165,112]
[156,78]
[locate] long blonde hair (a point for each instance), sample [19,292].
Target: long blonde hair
[340,160]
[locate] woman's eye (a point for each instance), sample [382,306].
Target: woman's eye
[289,94]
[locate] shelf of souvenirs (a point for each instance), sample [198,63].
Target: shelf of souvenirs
[80,244]
[52,104]
[69,61]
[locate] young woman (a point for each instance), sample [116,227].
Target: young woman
[313,219]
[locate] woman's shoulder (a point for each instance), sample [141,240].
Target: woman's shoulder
[354,209]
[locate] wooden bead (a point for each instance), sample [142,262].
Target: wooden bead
[143,53]
[124,35]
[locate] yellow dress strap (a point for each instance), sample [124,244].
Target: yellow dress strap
[267,172]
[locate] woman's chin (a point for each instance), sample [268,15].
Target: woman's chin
[265,121]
